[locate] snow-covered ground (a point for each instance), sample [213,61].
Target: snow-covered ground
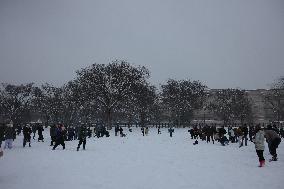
[137,162]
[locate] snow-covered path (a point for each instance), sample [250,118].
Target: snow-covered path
[137,162]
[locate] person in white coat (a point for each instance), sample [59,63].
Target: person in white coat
[259,144]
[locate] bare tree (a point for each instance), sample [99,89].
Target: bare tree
[145,98]
[110,86]
[275,99]
[181,98]
[15,101]
[231,104]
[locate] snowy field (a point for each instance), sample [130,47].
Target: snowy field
[137,162]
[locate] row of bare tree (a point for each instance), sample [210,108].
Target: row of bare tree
[121,92]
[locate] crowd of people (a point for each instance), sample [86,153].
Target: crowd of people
[224,135]
[256,134]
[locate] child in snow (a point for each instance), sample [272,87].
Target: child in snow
[259,144]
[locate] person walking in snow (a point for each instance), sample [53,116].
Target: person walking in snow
[281,132]
[159,130]
[52,133]
[60,136]
[143,131]
[121,132]
[71,133]
[245,136]
[240,135]
[209,132]
[27,131]
[222,131]
[146,131]
[82,137]
[40,135]
[191,132]
[1,152]
[116,130]
[231,134]
[171,130]
[2,131]
[251,133]
[259,144]
[89,132]
[273,141]
[9,136]
[18,129]
[34,129]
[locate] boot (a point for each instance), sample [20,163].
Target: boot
[77,148]
[274,158]
[263,163]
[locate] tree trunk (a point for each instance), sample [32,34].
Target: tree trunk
[109,119]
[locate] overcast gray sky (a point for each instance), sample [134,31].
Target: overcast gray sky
[223,43]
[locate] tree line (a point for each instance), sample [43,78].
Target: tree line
[121,92]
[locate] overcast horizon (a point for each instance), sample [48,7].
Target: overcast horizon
[222,43]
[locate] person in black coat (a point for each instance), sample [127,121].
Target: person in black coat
[60,136]
[9,136]
[159,130]
[224,140]
[19,129]
[70,133]
[121,132]
[27,131]
[52,134]
[191,132]
[245,137]
[171,130]
[40,135]
[281,132]
[89,132]
[2,130]
[116,130]
[34,129]
[82,137]
[222,131]
[251,133]
[143,131]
